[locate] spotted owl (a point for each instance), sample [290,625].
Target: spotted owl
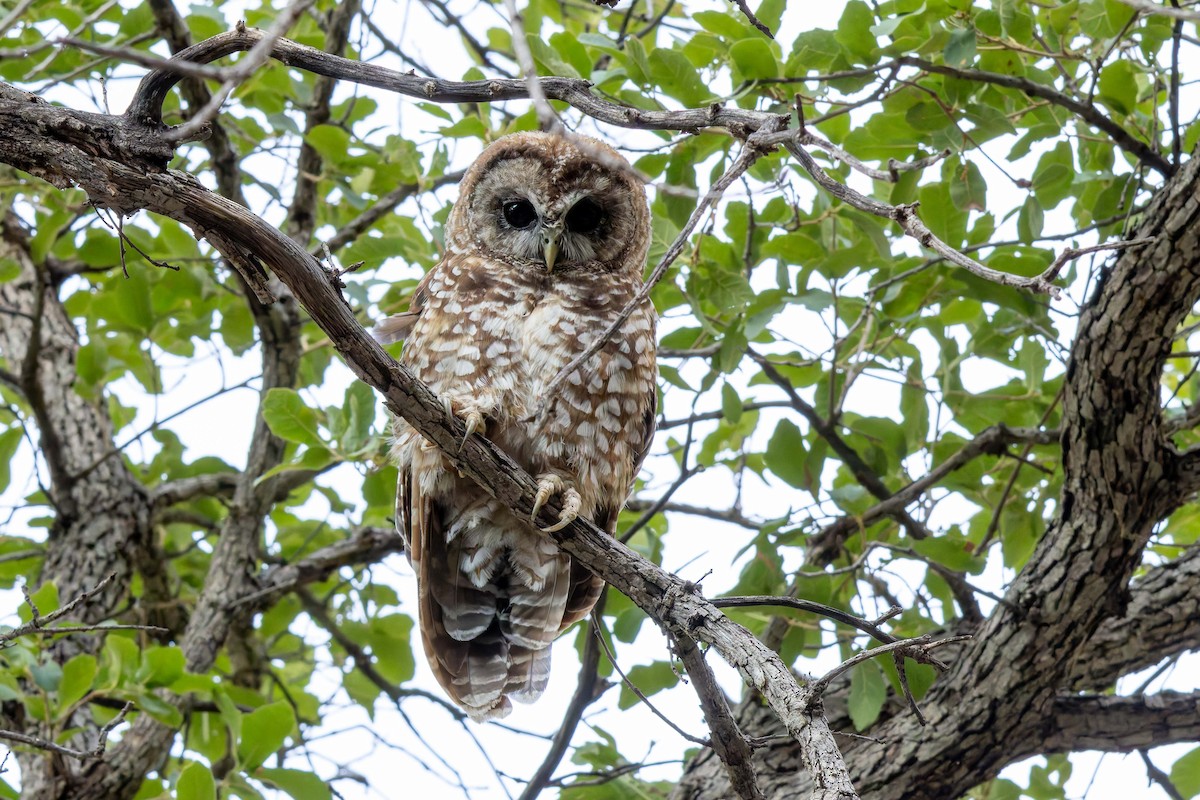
[544,248]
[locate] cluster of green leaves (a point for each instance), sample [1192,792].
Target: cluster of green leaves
[906,357]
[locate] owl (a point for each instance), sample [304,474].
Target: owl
[544,248]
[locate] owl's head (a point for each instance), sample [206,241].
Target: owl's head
[537,200]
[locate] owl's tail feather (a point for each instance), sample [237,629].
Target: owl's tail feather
[466,650]
[492,600]
[529,673]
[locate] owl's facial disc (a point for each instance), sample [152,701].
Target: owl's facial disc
[557,237]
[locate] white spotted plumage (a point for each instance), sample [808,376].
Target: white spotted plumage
[490,327]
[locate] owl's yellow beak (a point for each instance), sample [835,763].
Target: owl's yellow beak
[550,238]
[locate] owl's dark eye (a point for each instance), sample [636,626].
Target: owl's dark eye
[519,213]
[585,216]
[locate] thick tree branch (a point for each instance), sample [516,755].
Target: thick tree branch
[366,546]
[1161,620]
[212,484]
[1120,724]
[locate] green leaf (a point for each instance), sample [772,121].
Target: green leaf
[359,406]
[968,190]
[1185,773]
[77,677]
[754,59]
[47,675]
[9,441]
[158,708]
[724,25]
[649,679]
[196,783]
[731,404]
[289,418]
[960,48]
[854,30]
[1030,220]
[161,666]
[1118,86]
[868,691]
[950,551]
[675,74]
[786,455]
[264,731]
[298,783]
[390,638]
[331,141]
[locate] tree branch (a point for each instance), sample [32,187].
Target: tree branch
[1114,724]
[727,739]
[1085,111]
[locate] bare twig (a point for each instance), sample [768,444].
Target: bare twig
[1072,253]
[14,16]
[37,621]
[236,75]
[96,752]
[1161,778]
[905,216]
[915,648]
[598,632]
[1085,110]
[1150,7]
[753,20]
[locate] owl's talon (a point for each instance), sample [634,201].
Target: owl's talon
[475,424]
[548,486]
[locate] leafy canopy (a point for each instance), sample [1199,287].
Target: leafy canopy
[905,357]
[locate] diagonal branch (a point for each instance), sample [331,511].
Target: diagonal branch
[728,741]
[1085,111]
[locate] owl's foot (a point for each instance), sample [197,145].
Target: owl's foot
[550,484]
[470,416]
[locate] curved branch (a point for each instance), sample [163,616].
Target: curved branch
[1086,111]
[665,597]
[146,107]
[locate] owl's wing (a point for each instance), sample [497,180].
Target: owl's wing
[397,327]
[649,426]
[466,650]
